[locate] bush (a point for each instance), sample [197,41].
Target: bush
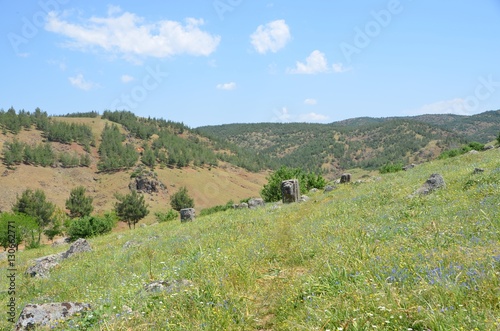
[271,192]
[459,151]
[25,228]
[391,167]
[90,226]
[181,200]
[220,208]
[131,208]
[167,216]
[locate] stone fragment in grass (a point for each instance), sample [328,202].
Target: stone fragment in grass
[255,202]
[290,191]
[79,246]
[47,314]
[478,170]
[345,178]
[434,182]
[328,188]
[174,286]
[187,214]
[44,264]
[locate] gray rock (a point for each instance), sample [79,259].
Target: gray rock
[147,182]
[304,198]
[255,202]
[59,242]
[290,191]
[47,314]
[174,286]
[131,243]
[434,182]
[313,190]
[43,265]
[187,214]
[328,188]
[243,205]
[473,152]
[409,166]
[79,246]
[345,178]
[488,147]
[143,225]
[478,170]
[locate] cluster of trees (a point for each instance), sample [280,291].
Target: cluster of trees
[114,155]
[462,150]
[12,121]
[42,154]
[271,191]
[67,133]
[89,114]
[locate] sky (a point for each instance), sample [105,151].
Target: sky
[209,62]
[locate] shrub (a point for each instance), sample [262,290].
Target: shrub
[25,228]
[181,200]
[78,204]
[220,208]
[272,190]
[391,167]
[167,216]
[131,208]
[90,226]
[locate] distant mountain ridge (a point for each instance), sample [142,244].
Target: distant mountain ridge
[359,142]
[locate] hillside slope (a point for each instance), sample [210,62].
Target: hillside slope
[208,185]
[360,142]
[362,257]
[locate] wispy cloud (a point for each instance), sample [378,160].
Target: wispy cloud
[316,63]
[226,86]
[310,102]
[271,37]
[129,35]
[80,82]
[126,78]
[456,106]
[284,115]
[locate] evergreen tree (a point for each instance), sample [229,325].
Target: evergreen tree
[131,208]
[35,204]
[181,200]
[148,157]
[78,204]
[13,153]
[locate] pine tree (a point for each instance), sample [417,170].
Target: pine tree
[181,200]
[131,208]
[78,204]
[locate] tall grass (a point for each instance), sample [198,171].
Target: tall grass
[362,257]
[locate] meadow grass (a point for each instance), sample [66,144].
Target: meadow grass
[365,256]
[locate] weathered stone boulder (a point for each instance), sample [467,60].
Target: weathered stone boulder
[47,314]
[59,242]
[478,170]
[488,147]
[44,264]
[313,190]
[146,182]
[174,286]
[255,202]
[409,166]
[328,188]
[345,178]
[290,190]
[304,198]
[473,152]
[79,246]
[187,214]
[434,182]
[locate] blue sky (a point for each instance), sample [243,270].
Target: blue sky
[205,62]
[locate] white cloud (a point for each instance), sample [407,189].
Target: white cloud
[227,86]
[312,117]
[456,106]
[127,78]
[310,102]
[283,115]
[80,82]
[316,63]
[130,36]
[272,37]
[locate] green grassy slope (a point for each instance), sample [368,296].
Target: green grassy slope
[362,257]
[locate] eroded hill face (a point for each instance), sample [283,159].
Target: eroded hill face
[208,185]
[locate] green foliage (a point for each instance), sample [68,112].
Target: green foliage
[218,209]
[114,155]
[498,139]
[85,160]
[90,226]
[40,154]
[69,160]
[90,114]
[78,204]
[35,204]
[181,199]
[148,157]
[67,133]
[462,150]
[13,153]
[22,226]
[271,191]
[131,208]
[391,167]
[170,215]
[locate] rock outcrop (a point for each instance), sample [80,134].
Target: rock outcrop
[47,314]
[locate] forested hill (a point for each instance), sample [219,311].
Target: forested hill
[361,142]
